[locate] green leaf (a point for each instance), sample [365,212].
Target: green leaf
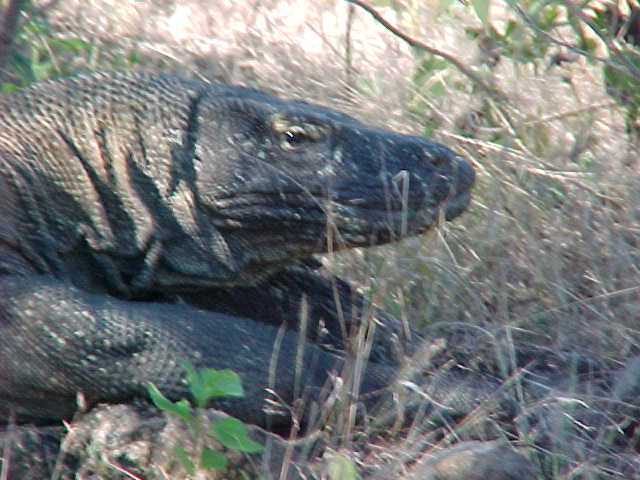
[429,127]
[69,44]
[41,70]
[23,66]
[437,89]
[548,18]
[37,26]
[511,27]
[181,408]
[424,269]
[209,383]
[133,58]
[213,460]
[427,67]
[8,87]
[481,8]
[232,433]
[443,6]
[341,468]
[184,460]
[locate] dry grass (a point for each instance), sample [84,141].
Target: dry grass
[548,253]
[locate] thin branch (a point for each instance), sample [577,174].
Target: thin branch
[614,50]
[348,62]
[469,73]
[517,158]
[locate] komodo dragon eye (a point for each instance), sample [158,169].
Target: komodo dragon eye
[294,138]
[297,135]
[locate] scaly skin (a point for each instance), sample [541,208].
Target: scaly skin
[139,209]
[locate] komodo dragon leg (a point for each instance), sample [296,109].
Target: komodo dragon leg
[108,349]
[338,318]
[329,310]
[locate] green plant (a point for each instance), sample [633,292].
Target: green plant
[622,80]
[43,57]
[39,51]
[204,385]
[341,468]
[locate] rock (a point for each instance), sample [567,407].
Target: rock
[494,460]
[120,442]
[627,382]
[29,452]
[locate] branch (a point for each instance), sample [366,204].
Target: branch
[625,66]
[469,73]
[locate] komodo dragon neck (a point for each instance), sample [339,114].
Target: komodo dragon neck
[106,182]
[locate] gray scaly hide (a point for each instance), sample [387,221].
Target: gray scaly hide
[148,219]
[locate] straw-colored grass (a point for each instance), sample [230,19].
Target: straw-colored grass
[548,253]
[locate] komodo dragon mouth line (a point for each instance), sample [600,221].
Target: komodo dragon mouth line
[381,217]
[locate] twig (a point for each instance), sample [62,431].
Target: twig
[547,171]
[473,76]
[571,113]
[121,470]
[612,44]
[347,48]
[614,51]
[8,444]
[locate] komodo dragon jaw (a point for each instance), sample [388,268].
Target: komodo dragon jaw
[293,172]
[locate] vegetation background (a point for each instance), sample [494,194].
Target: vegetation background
[542,96]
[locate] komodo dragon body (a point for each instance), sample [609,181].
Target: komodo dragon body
[136,209]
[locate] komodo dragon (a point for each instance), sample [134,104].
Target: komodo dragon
[146,218]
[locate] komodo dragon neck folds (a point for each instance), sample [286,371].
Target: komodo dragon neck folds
[134,205]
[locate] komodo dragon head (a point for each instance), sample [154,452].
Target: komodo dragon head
[289,179]
[141,182]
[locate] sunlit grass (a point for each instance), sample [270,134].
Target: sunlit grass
[548,253]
